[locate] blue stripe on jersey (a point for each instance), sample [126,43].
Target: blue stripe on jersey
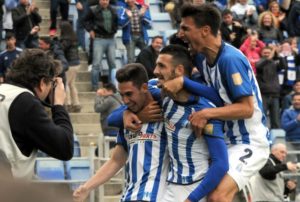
[260,104]
[189,146]
[229,133]
[134,171]
[147,162]
[175,140]
[163,146]
[243,130]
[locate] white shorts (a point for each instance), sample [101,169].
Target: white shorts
[245,161]
[178,192]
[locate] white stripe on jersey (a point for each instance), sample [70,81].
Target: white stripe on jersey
[248,131]
[147,163]
[189,155]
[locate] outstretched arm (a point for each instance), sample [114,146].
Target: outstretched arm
[217,169]
[107,171]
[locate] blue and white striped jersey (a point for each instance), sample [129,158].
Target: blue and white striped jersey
[233,77]
[147,163]
[189,156]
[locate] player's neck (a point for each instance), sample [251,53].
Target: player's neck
[182,96]
[149,99]
[212,49]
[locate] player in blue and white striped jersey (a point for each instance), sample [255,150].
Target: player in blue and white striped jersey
[227,70]
[191,175]
[144,151]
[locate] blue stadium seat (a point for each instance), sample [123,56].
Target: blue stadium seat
[50,169]
[78,169]
[77,151]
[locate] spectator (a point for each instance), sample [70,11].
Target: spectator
[269,184]
[268,28]
[287,100]
[290,122]
[245,13]
[232,31]
[7,15]
[101,22]
[25,17]
[134,20]
[148,55]
[32,39]
[69,44]
[267,78]
[64,11]
[293,19]
[8,55]
[27,127]
[288,74]
[107,99]
[279,15]
[55,49]
[82,7]
[251,48]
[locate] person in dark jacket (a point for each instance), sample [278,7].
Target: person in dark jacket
[269,184]
[101,22]
[267,69]
[53,46]
[232,31]
[69,43]
[25,17]
[293,19]
[148,55]
[25,126]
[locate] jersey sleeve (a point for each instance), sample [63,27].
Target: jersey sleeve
[121,139]
[214,127]
[154,90]
[236,75]
[115,119]
[217,169]
[199,89]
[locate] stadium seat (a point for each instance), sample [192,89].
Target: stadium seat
[78,169]
[50,169]
[277,135]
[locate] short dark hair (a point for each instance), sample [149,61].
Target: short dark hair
[226,12]
[31,66]
[9,35]
[296,81]
[110,86]
[202,15]
[134,72]
[180,56]
[295,94]
[46,39]
[157,37]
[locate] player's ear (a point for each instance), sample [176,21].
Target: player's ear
[179,70]
[144,87]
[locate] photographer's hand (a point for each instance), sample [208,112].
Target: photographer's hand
[59,92]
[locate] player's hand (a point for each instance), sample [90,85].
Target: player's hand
[172,87]
[187,200]
[198,121]
[151,113]
[131,121]
[80,194]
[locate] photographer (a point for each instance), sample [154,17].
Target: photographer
[25,125]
